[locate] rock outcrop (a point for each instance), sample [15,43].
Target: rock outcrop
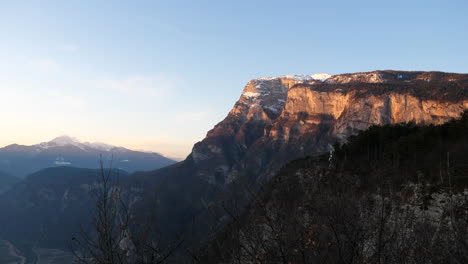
[282,118]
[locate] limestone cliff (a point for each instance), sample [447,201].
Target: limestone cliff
[281,118]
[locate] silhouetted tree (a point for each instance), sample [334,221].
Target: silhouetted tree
[114,238]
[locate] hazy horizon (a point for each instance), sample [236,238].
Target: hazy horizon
[131,147]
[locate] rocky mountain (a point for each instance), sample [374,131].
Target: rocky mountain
[283,118]
[20,160]
[279,119]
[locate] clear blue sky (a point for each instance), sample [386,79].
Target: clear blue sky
[157,75]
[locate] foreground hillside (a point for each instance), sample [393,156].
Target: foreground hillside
[391,194]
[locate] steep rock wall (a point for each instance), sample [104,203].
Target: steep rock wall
[281,118]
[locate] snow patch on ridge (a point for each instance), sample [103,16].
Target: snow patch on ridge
[268,93]
[251,94]
[274,108]
[365,77]
[299,77]
[321,76]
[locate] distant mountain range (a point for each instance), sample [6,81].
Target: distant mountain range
[20,160]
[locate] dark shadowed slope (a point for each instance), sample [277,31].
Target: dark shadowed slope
[392,194]
[7,181]
[49,206]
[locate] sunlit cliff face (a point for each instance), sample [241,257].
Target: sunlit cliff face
[281,118]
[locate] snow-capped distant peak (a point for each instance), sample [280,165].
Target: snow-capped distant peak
[59,141]
[321,76]
[67,140]
[64,140]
